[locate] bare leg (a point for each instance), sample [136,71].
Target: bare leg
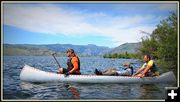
[110,71]
[60,71]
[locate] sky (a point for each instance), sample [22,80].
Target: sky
[102,24]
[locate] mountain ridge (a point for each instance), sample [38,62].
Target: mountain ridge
[46,49]
[126,47]
[60,49]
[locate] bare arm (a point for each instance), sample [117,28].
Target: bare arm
[140,70]
[146,70]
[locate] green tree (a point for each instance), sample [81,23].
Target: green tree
[162,43]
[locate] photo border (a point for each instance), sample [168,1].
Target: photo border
[96,2]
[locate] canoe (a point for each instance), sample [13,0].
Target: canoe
[31,74]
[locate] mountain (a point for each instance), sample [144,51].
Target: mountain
[47,49]
[126,47]
[60,49]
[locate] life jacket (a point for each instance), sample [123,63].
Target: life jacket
[132,70]
[70,66]
[153,70]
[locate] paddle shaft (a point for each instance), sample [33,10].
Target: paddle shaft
[56,60]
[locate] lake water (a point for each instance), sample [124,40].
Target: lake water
[14,89]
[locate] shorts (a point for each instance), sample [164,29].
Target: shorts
[65,70]
[110,71]
[151,74]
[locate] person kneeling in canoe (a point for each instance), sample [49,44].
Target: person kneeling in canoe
[128,71]
[73,64]
[148,69]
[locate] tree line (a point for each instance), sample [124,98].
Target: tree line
[122,55]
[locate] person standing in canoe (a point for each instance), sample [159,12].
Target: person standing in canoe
[148,69]
[128,71]
[73,64]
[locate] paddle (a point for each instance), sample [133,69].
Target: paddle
[53,54]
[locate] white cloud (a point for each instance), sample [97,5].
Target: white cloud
[49,19]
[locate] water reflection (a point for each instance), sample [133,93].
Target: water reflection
[147,91]
[50,90]
[31,86]
[75,92]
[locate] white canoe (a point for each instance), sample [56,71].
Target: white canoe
[31,74]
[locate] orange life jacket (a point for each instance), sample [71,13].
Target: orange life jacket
[72,64]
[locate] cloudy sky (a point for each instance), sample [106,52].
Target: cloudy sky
[102,24]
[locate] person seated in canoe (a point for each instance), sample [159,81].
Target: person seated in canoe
[148,69]
[73,64]
[128,71]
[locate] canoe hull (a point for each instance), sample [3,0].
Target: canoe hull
[32,74]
